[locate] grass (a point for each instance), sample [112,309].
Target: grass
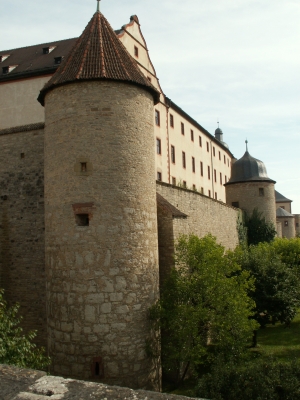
[279,341]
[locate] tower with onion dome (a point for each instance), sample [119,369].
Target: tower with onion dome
[250,187]
[100,212]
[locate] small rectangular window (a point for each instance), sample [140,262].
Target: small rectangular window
[83,167]
[225,179]
[208,172]
[214,151]
[224,159]
[173,154]
[136,51]
[194,187]
[297,224]
[286,223]
[182,128]
[215,175]
[192,135]
[158,146]
[45,50]
[173,181]
[201,168]
[82,219]
[202,190]
[22,155]
[5,70]
[171,121]
[219,155]
[183,159]
[157,118]
[193,164]
[216,196]
[159,176]
[221,178]
[207,146]
[200,141]
[261,192]
[184,184]
[209,193]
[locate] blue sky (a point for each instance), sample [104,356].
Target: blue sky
[233,61]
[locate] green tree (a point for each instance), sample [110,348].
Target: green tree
[16,347]
[204,307]
[258,229]
[277,289]
[289,251]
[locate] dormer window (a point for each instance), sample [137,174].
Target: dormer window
[47,50]
[8,69]
[3,57]
[58,60]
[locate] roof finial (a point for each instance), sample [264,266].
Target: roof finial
[98,5]
[246,141]
[218,124]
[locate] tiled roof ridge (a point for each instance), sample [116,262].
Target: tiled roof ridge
[22,128]
[98,54]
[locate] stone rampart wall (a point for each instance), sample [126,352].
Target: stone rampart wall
[22,264]
[204,215]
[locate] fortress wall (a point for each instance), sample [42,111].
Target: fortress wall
[205,215]
[22,224]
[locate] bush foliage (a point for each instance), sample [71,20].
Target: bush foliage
[17,348]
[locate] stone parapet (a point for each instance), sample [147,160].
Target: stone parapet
[25,384]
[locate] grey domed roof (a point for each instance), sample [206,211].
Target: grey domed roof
[219,131]
[247,169]
[280,212]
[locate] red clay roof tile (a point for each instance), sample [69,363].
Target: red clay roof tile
[98,54]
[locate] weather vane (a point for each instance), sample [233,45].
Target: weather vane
[98,5]
[246,141]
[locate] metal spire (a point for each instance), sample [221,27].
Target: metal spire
[98,5]
[246,141]
[218,124]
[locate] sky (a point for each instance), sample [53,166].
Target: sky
[232,61]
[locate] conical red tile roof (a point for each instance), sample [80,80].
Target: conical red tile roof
[98,54]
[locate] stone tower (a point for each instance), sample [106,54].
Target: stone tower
[100,212]
[250,187]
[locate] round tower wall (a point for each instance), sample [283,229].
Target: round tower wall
[101,231]
[251,195]
[287,227]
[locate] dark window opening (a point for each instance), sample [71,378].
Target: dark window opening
[149,79]
[136,51]
[216,196]
[157,118]
[171,121]
[261,192]
[182,128]
[173,181]
[82,219]
[159,177]
[173,154]
[97,368]
[214,152]
[45,50]
[286,223]
[158,146]
[183,159]
[5,70]
[207,146]
[209,193]
[297,224]
[194,187]
[201,168]
[83,167]
[184,184]
[208,172]
[193,164]
[219,155]
[192,135]
[235,204]
[200,141]
[22,155]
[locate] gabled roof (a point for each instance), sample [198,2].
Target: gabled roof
[31,61]
[98,54]
[280,198]
[280,212]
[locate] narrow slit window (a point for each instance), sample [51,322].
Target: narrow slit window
[136,51]
[83,166]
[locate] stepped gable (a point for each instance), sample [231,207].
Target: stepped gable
[98,54]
